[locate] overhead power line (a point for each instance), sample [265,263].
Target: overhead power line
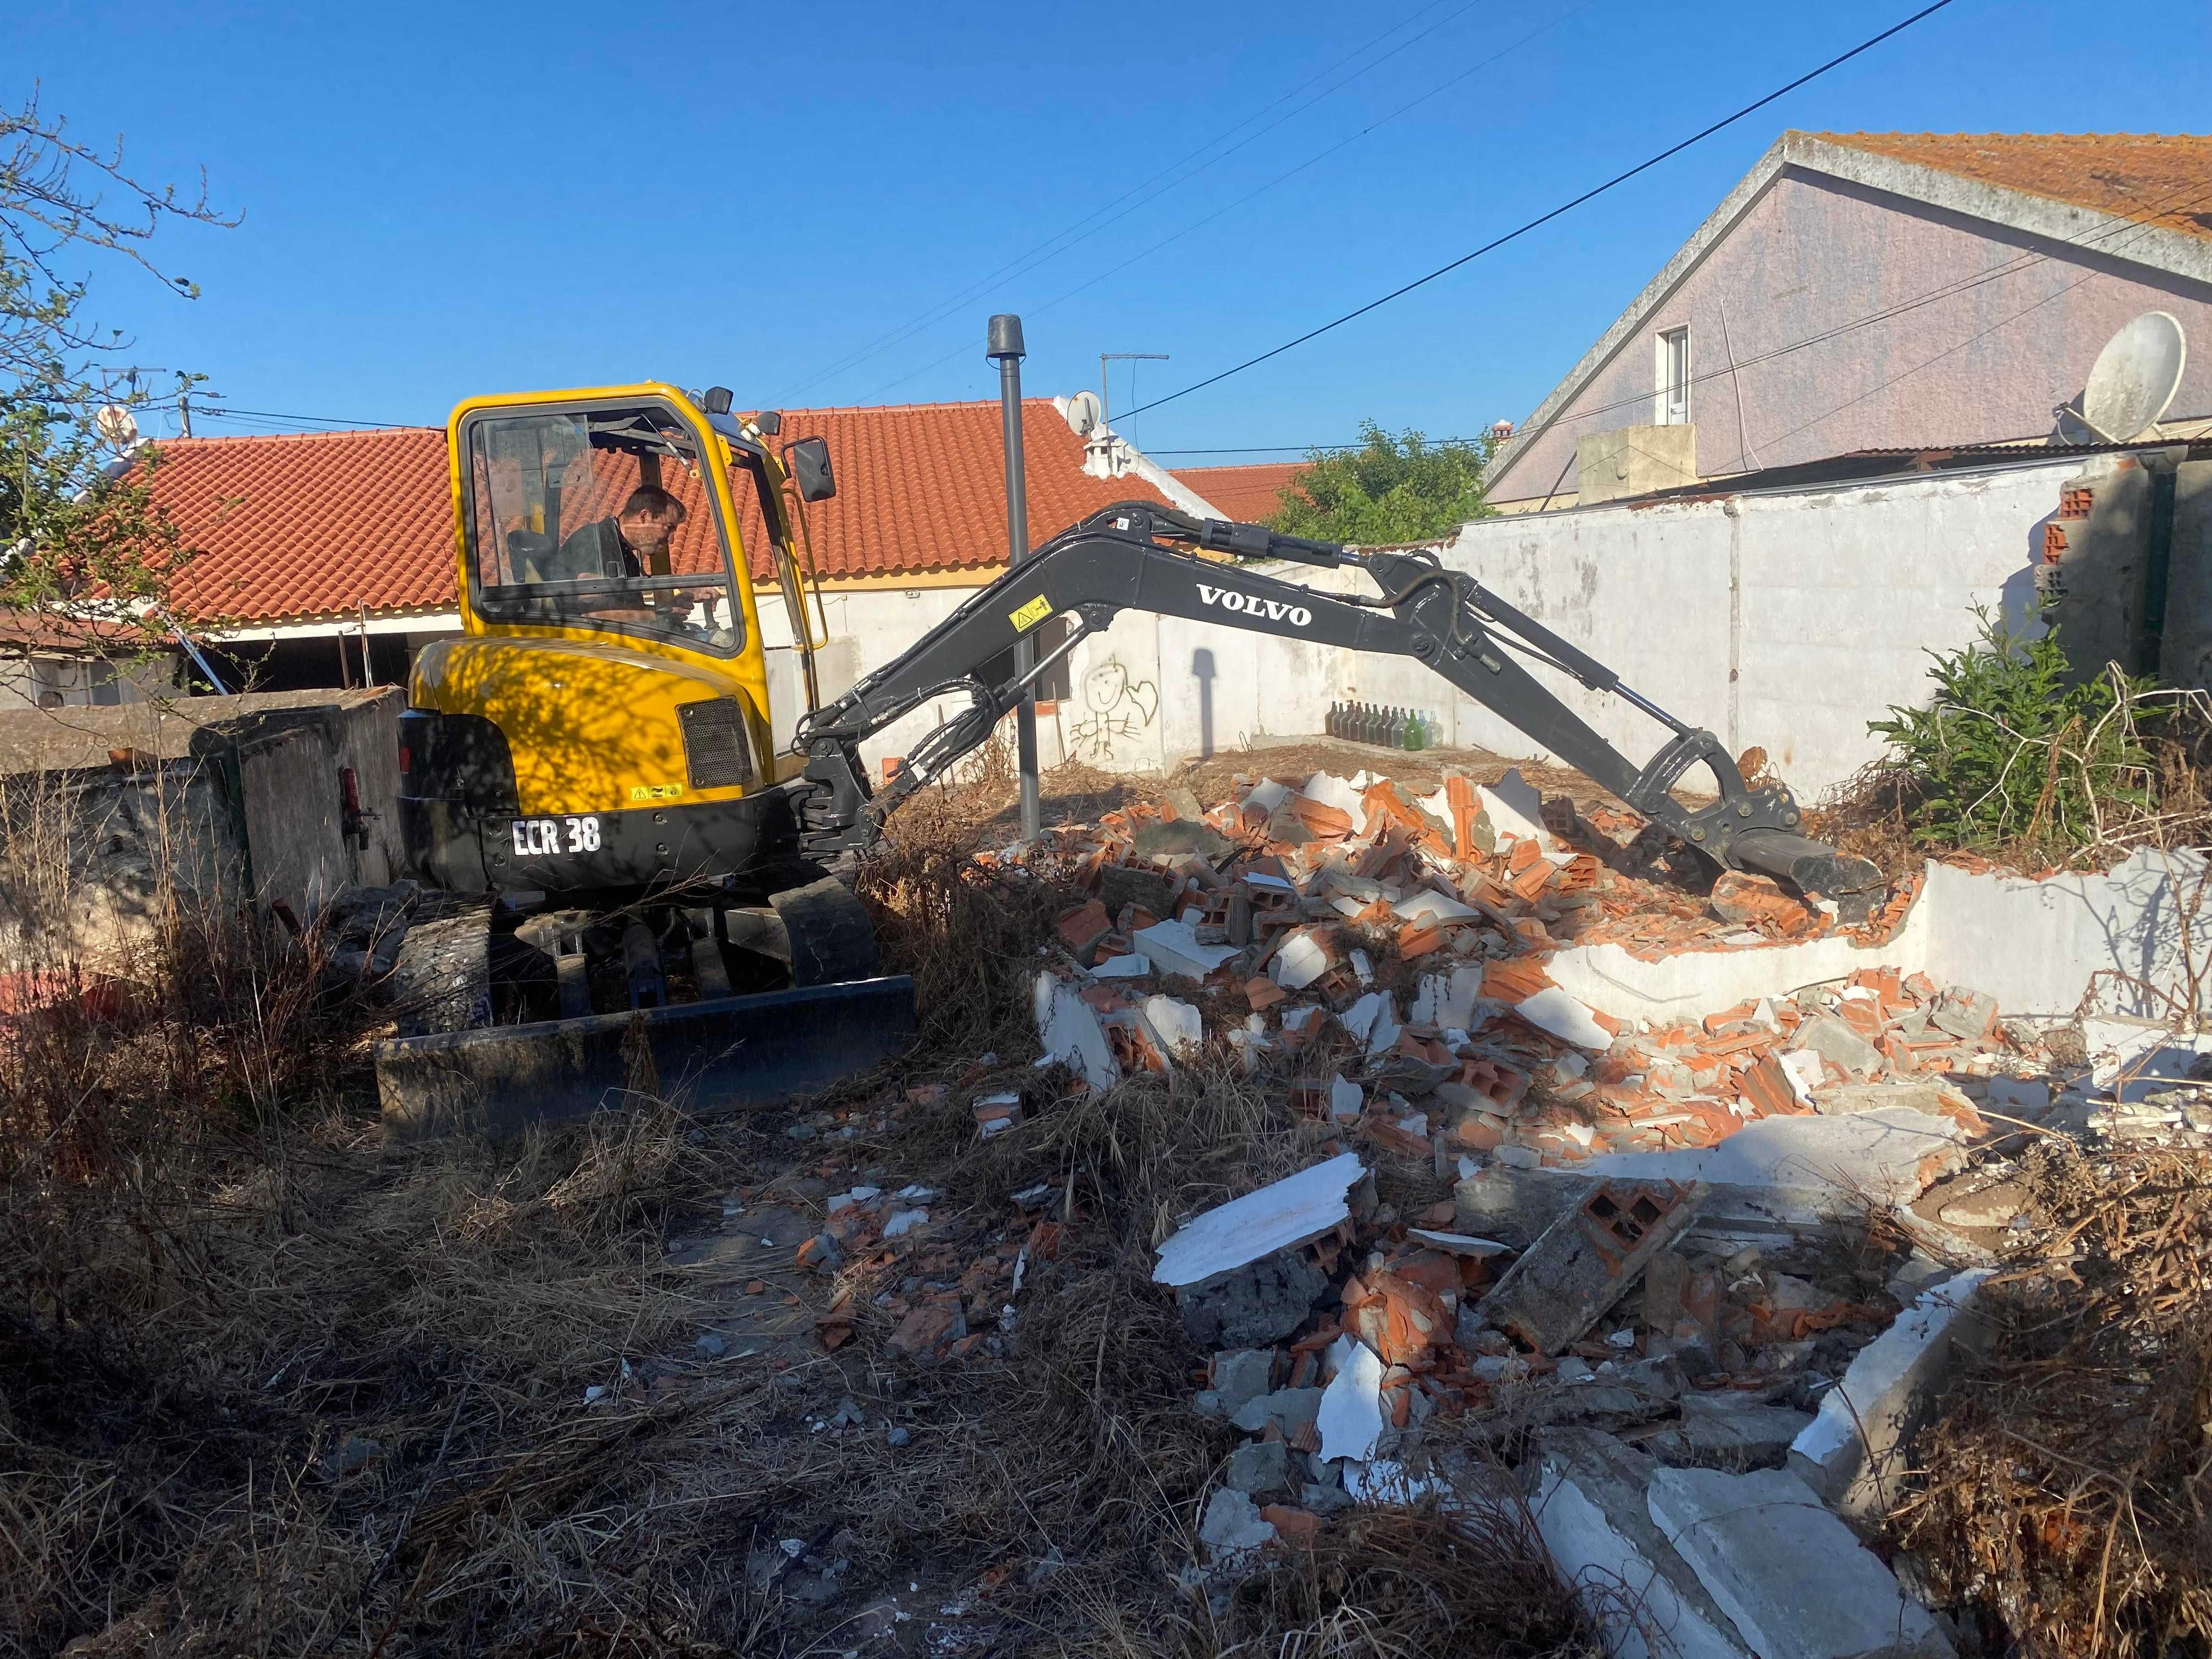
[1084,228]
[1519,231]
[1313,161]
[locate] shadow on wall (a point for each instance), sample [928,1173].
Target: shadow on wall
[1202,668]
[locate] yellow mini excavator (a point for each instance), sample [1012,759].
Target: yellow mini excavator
[632,880]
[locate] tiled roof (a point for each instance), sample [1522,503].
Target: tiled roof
[318,525]
[2163,178]
[292,528]
[1246,494]
[922,487]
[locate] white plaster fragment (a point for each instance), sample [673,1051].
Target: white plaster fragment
[1460,1244]
[1345,1100]
[1331,791]
[1288,1212]
[1428,906]
[1553,1010]
[1173,949]
[1301,960]
[1069,1028]
[1177,1026]
[1350,1421]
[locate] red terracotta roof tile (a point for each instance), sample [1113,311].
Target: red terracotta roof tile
[293,527]
[2161,179]
[1246,494]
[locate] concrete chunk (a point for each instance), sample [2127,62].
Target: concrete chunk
[1232,1531]
[1852,1453]
[1830,1038]
[1723,1430]
[1261,1466]
[1243,1375]
[1592,1514]
[1790,1577]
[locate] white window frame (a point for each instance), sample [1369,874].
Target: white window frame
[1664,409]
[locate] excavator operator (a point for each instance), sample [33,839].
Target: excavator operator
[633,543]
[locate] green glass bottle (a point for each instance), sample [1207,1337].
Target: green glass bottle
[1415,738]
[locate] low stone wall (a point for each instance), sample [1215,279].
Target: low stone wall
[219,800]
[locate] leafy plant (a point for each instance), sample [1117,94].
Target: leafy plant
[1400,489]
[2013,752]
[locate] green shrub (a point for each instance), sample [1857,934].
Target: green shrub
[2012,752]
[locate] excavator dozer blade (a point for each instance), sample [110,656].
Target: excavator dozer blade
[708,1057]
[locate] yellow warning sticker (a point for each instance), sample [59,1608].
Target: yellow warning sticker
[1031,614]
[655,791]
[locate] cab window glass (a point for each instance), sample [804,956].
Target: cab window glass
[597,519]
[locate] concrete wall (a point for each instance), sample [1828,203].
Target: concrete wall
[223,799]
[1786,620]
[2014,324]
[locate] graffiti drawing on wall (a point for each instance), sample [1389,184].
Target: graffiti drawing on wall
[1115,710]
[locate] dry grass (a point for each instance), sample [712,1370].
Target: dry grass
[1405,1583]
[2067,1483]
[270,1386]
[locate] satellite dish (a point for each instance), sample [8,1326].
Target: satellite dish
[116,425]
[2134,378]
[1083,414]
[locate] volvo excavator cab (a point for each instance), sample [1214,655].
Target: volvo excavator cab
[591,761]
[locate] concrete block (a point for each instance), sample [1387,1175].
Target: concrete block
[1853,1453]
[1590,1510]
[1789,1577]
[1586,1260]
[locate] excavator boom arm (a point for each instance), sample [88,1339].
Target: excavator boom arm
[1115,560]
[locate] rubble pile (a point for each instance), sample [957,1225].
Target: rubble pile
[1648,1277]
[1394,950]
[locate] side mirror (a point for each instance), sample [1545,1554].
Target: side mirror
[809,461]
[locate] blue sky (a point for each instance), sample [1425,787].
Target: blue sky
[438,202]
